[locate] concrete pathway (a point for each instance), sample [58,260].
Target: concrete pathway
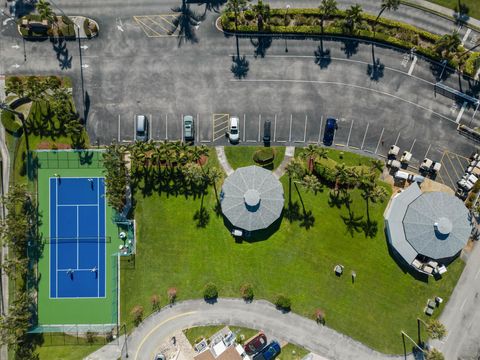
[110,351]
[443,10]
[289,154]
[5,156]
[461,315]
[260,314]
[222,159]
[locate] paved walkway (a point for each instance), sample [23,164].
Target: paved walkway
[289,154]
[222,159]
[5,156]
[290,327]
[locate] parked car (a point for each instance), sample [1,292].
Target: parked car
[234,133]
[159,357]
[141,128]
[188,128]
[256,344]
[267,127]
[393,151]
[406,157]
[330,127]
[271,351]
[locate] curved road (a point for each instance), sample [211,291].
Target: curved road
[143,342]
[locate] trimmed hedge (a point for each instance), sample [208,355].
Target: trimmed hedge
[11,123]
[264,156]
[386,30]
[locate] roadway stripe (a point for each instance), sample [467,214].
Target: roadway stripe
[460,113]
[347,85]
[412,66]
[158,326]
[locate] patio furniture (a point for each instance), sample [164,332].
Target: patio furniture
[431,304]
[442,269]
[429,311]
[428,269]
[438,300]
[338,269]
[433,264]
[417,263]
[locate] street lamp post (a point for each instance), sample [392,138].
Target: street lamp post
[285,25]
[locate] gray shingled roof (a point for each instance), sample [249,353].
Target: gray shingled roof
[433,224]
[252,198]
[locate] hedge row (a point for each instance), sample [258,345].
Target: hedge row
[228,24]
[11,124]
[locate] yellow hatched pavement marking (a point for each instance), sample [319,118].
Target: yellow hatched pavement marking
[219,120]
[445,169]
[143,26]
[157,25]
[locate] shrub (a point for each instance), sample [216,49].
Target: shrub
[137,314]
[11,123]
[247,292]
[249,15]
[320,316]
[210,292]
[282,302]
[90,337]
[264,156]
[172,295]
[86,28]
[155,301]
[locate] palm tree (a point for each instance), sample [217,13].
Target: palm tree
[295,171]
[328,8]
[434,354]
[236,7]
[45,11]
[376,165]
[15,86]
[311,153]
[371,192]
[435,329]
[311,183]
[341,177]
[354,16]
[386,5]
[195,154]
[448,43]
[469,50]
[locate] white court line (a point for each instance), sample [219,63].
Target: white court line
[460,113]
[78,244]
[76,205]
[348,139]
[346,85]
[56,232]
[98,237]
[413,65]
[465,37]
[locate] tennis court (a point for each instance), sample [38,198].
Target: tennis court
[77,237]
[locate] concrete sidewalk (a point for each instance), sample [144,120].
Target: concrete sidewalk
[444,11]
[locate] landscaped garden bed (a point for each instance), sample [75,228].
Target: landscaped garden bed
[307,22]
[268,157]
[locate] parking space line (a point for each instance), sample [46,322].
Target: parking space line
[398,137]
[143,26]
[429,145]
[181,125]
[320,130]
[413,144]
[259,121]
[163,17]
[118,127]
[275,128]
[453,166]
[168,31]
[463,166]
[166,126]
[290,135]
[252,141]
[305,130]
[134,125]
[244,127]
[460,113]
[198,128]
[379,140]
[448,174]
[465,37]
[412,66]
[151,127]
[364,136]
[349,133]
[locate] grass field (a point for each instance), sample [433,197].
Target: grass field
[195,334]
[66,347]
[239,156]
[173,252]
[472,5]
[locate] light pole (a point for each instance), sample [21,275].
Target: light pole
[80,54]
[285,25]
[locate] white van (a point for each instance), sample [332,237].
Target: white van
[234,132]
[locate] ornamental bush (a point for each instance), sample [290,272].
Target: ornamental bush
[282,302]
[247,292]
[210,292]
[11,123]
[264,156]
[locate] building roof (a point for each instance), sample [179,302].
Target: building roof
[230,353]
[252,198]
[434,224]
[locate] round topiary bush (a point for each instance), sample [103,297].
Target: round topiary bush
[210,292]
[264,156]
[282,302]
[11,123]
[247,292]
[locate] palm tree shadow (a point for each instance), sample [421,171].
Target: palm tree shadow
[261,45]
[375,69]
[186,23]
[240,64]
[210,5]
[461,14]
[322,56]
[350,47]
[354,224]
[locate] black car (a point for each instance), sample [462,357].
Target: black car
[267,130]
[329,133]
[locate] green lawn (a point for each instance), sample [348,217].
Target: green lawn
[472,5]
[348,158]
[239,156]
[66,347]
[292,352]
[296,261]
[195,334]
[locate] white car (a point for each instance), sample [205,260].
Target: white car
[234,133]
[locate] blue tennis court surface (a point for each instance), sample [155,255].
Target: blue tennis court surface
[77,237]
